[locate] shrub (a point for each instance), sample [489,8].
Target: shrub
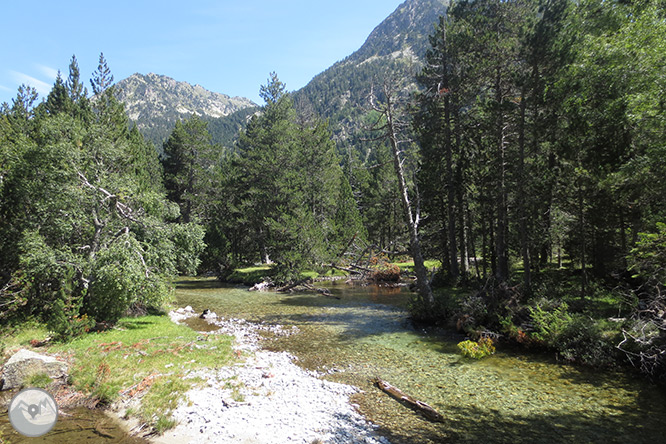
[477,350]
[549,322]
[575,336]
[383,270]
[122,279]
[581,341]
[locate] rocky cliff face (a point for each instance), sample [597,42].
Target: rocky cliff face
[405,31]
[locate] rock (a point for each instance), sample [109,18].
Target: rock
[25,363]
[261,286]
[207,314]
[189,309]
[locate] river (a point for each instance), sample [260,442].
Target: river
[510,397]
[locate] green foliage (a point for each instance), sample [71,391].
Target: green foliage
[188,241]
[121,280]
[281,198]
[477,350]
[541,135]
[648,258]
[189,166]
[550,321]
[576,337]
[86,228]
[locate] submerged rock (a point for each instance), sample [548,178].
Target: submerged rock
[207,314]
[25,363]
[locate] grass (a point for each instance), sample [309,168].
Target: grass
[17,337]
[40,380]
[250,275]
[146,356]
[408,265]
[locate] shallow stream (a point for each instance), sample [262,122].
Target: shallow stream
[510,397]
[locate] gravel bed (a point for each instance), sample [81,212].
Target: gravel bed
[266,399]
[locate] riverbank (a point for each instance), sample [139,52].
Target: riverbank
[265,399]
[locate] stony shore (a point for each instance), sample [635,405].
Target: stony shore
[266,399]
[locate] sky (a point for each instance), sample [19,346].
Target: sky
[226,46]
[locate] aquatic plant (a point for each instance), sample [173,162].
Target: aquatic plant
[477,350]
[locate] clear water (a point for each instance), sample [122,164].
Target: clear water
[80,425]
[509,397]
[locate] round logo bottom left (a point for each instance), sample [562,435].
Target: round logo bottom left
[33,412]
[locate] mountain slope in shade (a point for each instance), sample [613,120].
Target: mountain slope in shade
[394,49]
[155,102]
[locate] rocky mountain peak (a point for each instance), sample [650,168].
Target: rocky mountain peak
[146,96]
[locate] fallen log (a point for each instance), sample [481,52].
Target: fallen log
[293,285]
[358,267]
[420,406]
[347,270]
[323,291]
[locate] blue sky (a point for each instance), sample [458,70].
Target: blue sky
[225,46]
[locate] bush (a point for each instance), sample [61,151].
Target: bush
[121,279]
[383,270]
[477,350]
[550,321]
[581,341]
[576,337]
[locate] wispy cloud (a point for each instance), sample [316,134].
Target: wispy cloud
[42,87]
[49,72]
[4,88]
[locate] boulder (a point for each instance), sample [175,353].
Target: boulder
[25,363]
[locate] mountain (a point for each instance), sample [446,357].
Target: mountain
[394,49]
[155,102]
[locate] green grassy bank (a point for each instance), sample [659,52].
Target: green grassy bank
[144,357]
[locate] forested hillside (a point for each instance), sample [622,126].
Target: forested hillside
[395,48]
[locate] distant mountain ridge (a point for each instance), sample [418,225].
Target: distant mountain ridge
[339,94]
[155,102]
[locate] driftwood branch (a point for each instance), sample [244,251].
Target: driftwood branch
[323,291]
[292,285]
[420,406]
[346,270]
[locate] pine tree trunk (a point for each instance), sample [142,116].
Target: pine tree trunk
[460,194]
[422,282]
[522,211]
[501,249]
[454,270]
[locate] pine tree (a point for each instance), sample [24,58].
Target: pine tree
[188,162]
[74,86]
[58,100]
[102,78]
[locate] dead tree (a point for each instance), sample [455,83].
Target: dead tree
[388,127]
